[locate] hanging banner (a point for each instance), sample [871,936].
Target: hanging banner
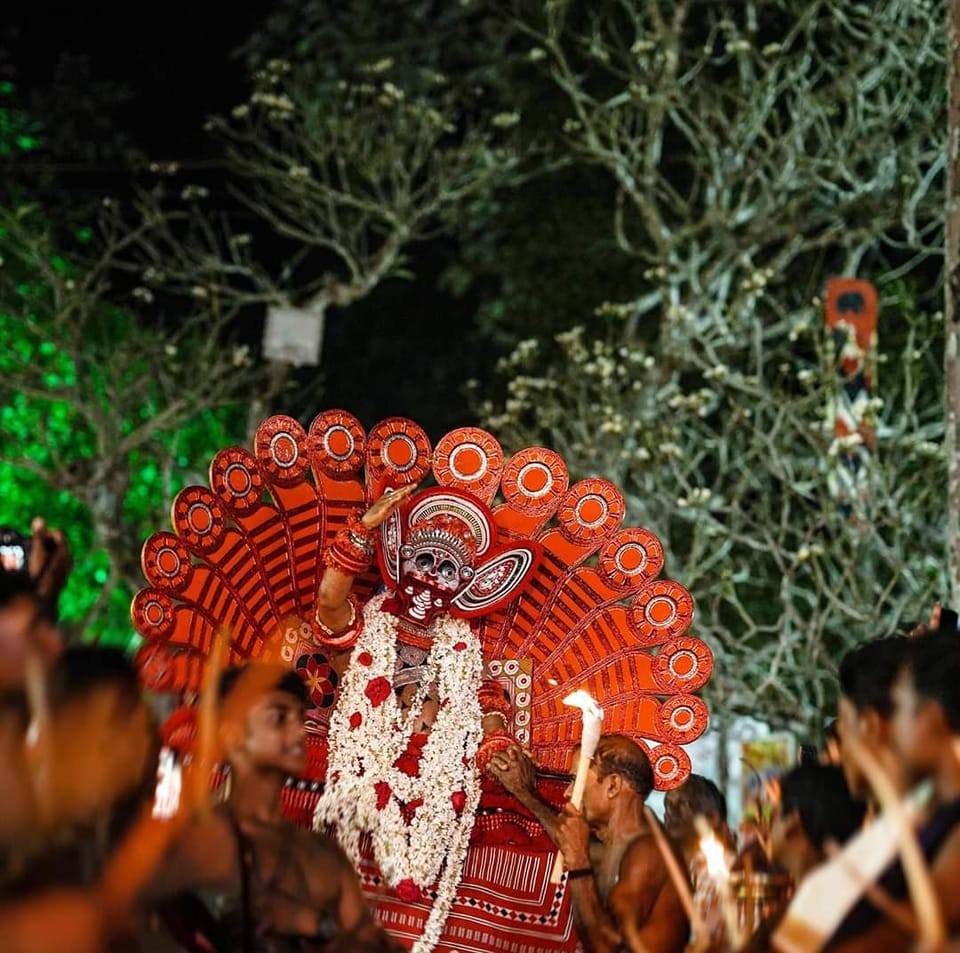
[852,309]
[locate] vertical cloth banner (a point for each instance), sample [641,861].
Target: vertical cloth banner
[851,318]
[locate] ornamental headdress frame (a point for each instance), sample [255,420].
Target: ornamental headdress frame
[588,607]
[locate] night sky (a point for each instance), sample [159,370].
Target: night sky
[176,57]
[399,352]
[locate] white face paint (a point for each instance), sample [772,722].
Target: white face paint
[434,567]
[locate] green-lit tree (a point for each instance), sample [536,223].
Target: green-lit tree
[107,406]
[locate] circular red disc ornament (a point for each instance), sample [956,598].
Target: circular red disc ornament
[591,510]
[683,664]
[237,481]
[279,444]
[337,443]
[662,610]
[634,556]
[152,613]
[166,562]
[199,519]
[155,666]
[398,452]
[671,766]
[682,718]
[469,459]
[534,481]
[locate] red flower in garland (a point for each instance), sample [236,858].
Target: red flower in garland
[408,891]
[459,647]
[377,690]
[459,801]
[356,719]
[365,658]
[409,761]
[384,791]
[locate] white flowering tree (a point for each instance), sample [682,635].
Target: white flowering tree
[756,149]
[348,171]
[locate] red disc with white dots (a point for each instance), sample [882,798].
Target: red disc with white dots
[591,510]
[398,452]
[682,719]
[469,459]
[280,445]
[166,562]
[683,664]
[671,766]
[152,613]
[662,610]
[337,443]
[631,558]
[237,480]
[534,481]
[199,519]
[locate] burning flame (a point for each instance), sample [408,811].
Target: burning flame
[585,702]
[715,856]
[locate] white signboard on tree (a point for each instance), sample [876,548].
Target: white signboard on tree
[293,336]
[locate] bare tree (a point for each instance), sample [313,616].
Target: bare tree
[351,172]
[756,149]
[951,353]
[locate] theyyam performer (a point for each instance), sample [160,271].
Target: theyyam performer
[416,669]
[434,626]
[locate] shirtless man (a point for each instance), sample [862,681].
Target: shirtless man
[274,887]
[622,893]
[925,725]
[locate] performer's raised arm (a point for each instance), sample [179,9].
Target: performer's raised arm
[350,555]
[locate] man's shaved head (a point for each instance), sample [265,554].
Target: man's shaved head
[618,754]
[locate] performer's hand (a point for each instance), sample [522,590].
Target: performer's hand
[48,561]
[385,506]
[573,838]
[514,770]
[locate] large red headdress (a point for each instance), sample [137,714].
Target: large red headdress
[246,554]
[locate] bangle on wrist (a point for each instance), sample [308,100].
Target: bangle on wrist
[579,872]
[345,637]
[352,549]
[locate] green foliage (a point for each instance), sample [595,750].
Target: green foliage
[51,435]
[19,132]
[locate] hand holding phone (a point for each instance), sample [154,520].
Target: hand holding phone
[13,550]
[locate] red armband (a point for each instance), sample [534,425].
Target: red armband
[352,549]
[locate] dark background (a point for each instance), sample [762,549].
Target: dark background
[116,86]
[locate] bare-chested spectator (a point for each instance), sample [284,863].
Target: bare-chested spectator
[85,771]
[269,886]
[865,710]
[699,797]
[623,896]
[924,726]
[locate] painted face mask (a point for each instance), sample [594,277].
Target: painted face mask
[440,555]
[436,562]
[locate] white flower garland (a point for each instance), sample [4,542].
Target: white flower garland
[433,847]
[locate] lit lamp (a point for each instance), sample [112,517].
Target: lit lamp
[715,857]
[589,739]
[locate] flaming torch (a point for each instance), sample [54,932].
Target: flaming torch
[716,860]
[589,738]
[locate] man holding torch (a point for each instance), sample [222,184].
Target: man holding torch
[623,893]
